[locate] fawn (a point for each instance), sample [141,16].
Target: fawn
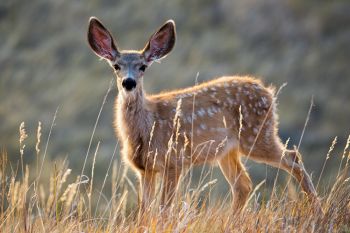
[219,120]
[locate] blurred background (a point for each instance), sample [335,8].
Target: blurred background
[46,65]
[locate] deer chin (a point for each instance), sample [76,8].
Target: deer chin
[131,95]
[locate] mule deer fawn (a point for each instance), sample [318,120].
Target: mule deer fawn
[219,120]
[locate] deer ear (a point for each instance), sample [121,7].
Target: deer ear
[101,40]
[161,42]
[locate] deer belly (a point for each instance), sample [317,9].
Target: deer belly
[212,150]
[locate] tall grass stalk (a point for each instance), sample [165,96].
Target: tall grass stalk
[331,148]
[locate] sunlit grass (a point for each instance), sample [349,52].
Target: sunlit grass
[28,204]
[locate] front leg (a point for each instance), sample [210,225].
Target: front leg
[169,186]
[147,189]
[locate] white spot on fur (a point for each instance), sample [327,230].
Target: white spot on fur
[213,88]
[219,130]
[256,86]
[264,100]
[210,113]
[244,108]
[261,112]
[199,112]
[268,134]
[230,101]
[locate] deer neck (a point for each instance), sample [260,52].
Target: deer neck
[134,115]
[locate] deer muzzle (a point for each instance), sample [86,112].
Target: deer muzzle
[129,84]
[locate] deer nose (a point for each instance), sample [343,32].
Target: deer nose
[129,84]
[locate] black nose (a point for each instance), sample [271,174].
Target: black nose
[129,84]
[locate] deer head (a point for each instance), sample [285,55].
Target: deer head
[130,65]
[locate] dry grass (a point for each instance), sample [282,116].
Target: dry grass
[33,203]
[28,205]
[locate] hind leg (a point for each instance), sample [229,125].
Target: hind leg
[289,160]
[238,178]
[292,163]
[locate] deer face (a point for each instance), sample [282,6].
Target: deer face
[130,65]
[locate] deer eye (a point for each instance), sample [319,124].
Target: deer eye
[143,68]
[116,67]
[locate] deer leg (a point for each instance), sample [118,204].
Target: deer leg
[147,189]
[292,163]
[288,160]
[238,178]
[169,185]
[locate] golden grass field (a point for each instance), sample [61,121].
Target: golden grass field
[33,203]
[58,177]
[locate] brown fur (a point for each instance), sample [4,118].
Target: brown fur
[216,121]
[215,142]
